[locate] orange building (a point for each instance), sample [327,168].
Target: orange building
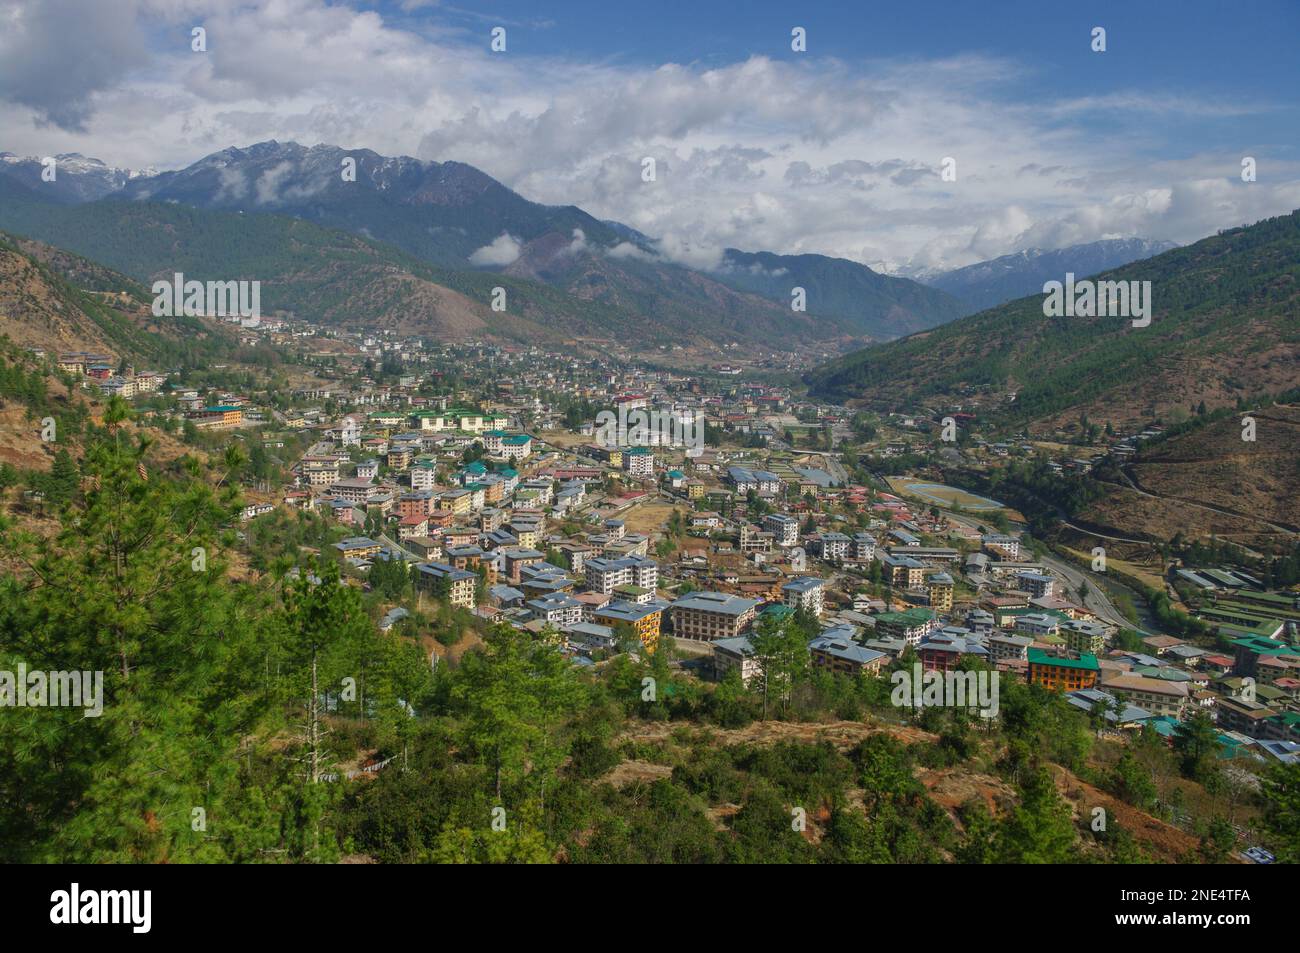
[1066,674]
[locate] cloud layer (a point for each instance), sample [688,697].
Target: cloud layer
[802,155]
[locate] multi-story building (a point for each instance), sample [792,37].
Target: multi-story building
[557,608]
[708,616]
[911,625]
[357,547]
[1039,585]
[735,654]
[835,650]
[902,572]
[424,475]
[458,585]
[644,618]
[517,446]
[784,529]
[1084,636]
[1156,695]
[605,575]
[352,490]
[1003,647]
[939,588]
[1065,674]
[806,592]
[834,546]
[639,461]
[864,546]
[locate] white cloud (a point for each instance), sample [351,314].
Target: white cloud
[503,250]
[791,156]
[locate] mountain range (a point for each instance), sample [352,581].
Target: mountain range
[349,235]
[987,284]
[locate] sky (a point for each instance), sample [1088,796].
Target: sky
[835,149]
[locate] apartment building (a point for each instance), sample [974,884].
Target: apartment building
[708,616]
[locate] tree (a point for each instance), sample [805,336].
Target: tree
[1197,742]
[781,651]
[1281,794]
[130,588]
[1040,829]
[514,694]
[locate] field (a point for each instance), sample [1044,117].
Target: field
[937,493]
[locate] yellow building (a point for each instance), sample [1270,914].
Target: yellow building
[644,620]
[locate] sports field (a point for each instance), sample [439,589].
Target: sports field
[942,495]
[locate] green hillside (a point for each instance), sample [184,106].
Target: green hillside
[1225,326]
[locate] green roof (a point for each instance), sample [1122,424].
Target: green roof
[913,616]
[1085,661]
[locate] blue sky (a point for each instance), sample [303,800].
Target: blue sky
[1222,51]
[837,150]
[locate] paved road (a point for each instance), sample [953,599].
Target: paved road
[1095,599]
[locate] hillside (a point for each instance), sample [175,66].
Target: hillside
[1209,481]
[55,301]
[331,276]
[1225,325]
[866,302]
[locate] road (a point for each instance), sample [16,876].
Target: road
[1095,599]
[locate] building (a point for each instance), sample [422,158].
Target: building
[835,650]
[1038,585]
[458,586]
[806,592]
[644,618]
[784,529]
[939,589]
[1083,636]
[639,461]
[834,546]
[219,417]
[557,608]
[864,546]
[735,653]
[357,547]
[1156,695]
[1065,674]
[902,572]
[912,625]
[606,575]
[709,616]
[516,446]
